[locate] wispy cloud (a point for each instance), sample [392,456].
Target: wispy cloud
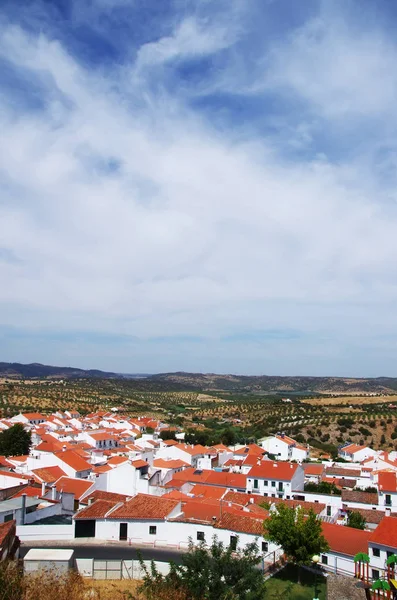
[196,185]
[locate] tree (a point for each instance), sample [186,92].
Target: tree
[355,520]
[300,537]
[215,572]
[15,441]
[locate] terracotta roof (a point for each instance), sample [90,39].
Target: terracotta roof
[340,471]
[78,487]
[170,442]
[268,469]
[138,464]
[5,529]
[387,482]
[73,460]
[48,474]
[176,495]
[98,510]
[117,460]
[101,469]
[30,491]
[386,533]
[102,495]
[352,448]
[242,523]
[192,450]
[161,463]
[208,491]
[34,416]
[346,540]
[250,449]
[144,506]
[370,516]
[313,469]
[358,496]
[4,462]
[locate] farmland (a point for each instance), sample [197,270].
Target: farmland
[209,416]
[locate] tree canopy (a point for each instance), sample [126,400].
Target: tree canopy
[214,572]
[15,441]
[356,520]
[301,537]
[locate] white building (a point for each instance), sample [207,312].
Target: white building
[283,447]
[276,479]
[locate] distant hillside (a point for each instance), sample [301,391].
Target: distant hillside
[265,383]
[38,371]
[212,381]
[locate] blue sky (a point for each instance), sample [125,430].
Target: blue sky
[203,186]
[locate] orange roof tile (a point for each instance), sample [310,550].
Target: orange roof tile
[98,510]
[346,540]
[386,533]
[48,474]
[161,463]
[102,495]
[387,482]
[144,506]
[268,469]
[241,523]
[73,460]
[30,491]
[70,485]
[6,529]
[208,491]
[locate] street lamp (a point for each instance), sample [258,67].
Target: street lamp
[315,561]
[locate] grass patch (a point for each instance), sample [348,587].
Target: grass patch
[285,585]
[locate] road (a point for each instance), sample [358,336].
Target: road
[110,551]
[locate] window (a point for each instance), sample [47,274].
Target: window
[324,559]
[256,483]
[8,518]
[280,486]
[233,542]
[152,529]
[265,546]
[329,508]
[280,495]
[265,483]
[375,574]
[376,551]
[200,536]
[388,500]
[273,484]
[389,553]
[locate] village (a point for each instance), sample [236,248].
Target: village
[134,481]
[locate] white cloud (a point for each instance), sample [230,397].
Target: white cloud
[131,217]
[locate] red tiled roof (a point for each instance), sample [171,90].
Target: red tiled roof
[34,416]
[386,533]
[358,496]
[48,474]
[268,469]
[208,491]
[161,463]
[70,485]
[313,469]
[144,506]
[98,510]
[250,449]
[170,442]
[102,495]
[241,523]
[346,540]
[387,482]
[138,464]
[101,469]
[352,448]
[192,450]
[73,460]
[117,460]
[30,491]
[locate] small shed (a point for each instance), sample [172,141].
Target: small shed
[60,560]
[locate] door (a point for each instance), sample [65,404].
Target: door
[123,531]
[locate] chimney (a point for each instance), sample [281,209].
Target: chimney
[388,512]
[251,500]
[23,506]
[43,488]
[90,501]
[64,448]
[53,493]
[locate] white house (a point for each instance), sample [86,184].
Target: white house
[29,418]
[382,544]
[387,490]
[277,479]
[283,447]
[356,453]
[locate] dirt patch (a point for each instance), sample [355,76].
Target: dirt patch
[343,588]
[351,400]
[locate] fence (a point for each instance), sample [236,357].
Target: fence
[116,569]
